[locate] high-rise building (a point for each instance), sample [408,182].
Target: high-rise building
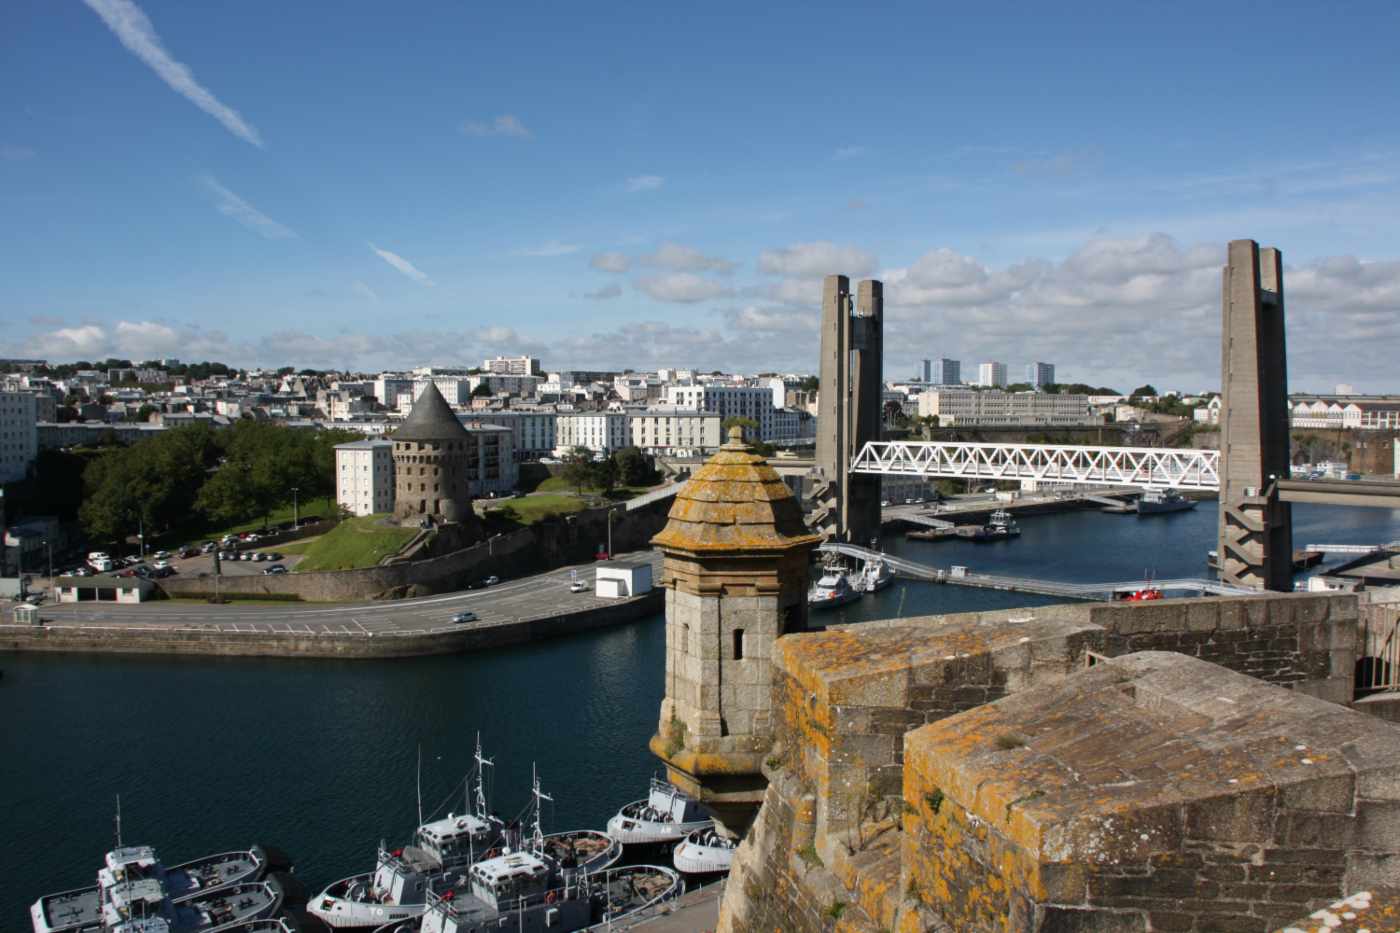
[943,372]
[513,365]
[991,374]
[1040,375]
[19,437]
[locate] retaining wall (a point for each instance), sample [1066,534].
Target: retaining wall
[542,546]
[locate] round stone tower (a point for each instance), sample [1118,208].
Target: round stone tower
[432,459]
[736,576]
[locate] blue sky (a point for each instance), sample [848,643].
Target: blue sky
[370,185]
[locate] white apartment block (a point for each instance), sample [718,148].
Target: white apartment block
[388,387]
[965,407]
[991,374]
[364,477]
[456,390]
[675,432]
[513,365]
[600,431]
[1380,414]
[19,435]
[491,466]
[532,432]
[728,401]
[525,386]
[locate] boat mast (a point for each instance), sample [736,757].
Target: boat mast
[119,821]
[420,783]
[482,764]
[537,833]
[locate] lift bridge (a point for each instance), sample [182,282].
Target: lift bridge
[1142,467]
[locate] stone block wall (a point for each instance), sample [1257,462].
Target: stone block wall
[1153,792]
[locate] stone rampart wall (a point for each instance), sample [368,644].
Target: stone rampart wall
[539,547]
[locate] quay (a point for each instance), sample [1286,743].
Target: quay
[976,507]
[510,613]
[1085,591]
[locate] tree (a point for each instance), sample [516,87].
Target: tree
[809,384]
[578,468]
[151,485]
[634,467]
[749,426]
[1144,390]
[482,390]
[603,475]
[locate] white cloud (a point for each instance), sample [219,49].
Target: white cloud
[231,205]
[82,342]
[816,260]
[135,31]
[606,293]
[685,259]
[507,124]
[682,287]
[403,265]
[552,248]
[364,290]
[643,183]
[610,262]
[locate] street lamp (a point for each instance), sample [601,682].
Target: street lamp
[49,547]
[141,534]
[295,524]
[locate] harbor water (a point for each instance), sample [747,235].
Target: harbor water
[320,757]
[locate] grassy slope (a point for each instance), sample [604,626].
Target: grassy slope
[529,509]
[355,542]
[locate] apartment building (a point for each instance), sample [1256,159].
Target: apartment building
[364,477]
[966,407]
[19,435]
[728,401]
[677,432]
[600,431]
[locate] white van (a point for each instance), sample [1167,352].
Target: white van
[97,555]
[101,565]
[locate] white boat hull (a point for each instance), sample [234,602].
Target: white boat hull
[342,913]
[633,832]
[695,859]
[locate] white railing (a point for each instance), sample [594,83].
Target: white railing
[1143,467]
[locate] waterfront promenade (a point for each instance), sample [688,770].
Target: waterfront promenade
[516,611]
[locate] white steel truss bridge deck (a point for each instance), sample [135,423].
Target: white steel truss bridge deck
[1143,467]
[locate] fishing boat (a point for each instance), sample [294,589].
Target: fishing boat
[664,816]
[403,877]
[703,852]
[1003,524]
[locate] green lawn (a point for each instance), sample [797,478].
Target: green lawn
[529,509]
[355,542]
[556,484]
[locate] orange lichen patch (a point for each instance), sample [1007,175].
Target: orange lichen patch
[736,502]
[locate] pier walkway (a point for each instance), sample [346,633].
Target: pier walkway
[1087,591]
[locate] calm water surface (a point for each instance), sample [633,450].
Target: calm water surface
[319,757]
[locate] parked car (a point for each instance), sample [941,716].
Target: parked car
[578,586]
[491,581]
[259,556]
[228,555]
[275,568]
[161,562]
[81,572]
[161,555]
[464,616]
[160,573]
[273,555]
[246,555]
[131,560]
[208,547]
[128,572]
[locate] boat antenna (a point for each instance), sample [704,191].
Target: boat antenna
[537,834]
[119,821]
[420,783]
[482,763]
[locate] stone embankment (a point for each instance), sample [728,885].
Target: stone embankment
[257,641]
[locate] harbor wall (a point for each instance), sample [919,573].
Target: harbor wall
[539,547]
[173,639]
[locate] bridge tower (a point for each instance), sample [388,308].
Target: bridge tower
[1256,534]
[850,406]
[736,556]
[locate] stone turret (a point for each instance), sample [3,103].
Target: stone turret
[736,572]
[432,454]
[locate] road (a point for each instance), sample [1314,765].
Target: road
[530,597]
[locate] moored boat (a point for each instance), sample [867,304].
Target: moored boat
[1162,501]
[665,815]
[832,589]
[705,851]
[874,576]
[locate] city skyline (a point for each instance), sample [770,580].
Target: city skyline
[570,187]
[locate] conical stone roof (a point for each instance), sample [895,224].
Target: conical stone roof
[735,503]
[430,420]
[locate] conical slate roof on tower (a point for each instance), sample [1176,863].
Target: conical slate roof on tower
[430,420]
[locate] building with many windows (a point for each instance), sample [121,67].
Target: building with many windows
[491,466]
[991,374]
[943,372]
[532,432]
[728,401]
[19,435]
[364,477]
[513,365]
[968,407]
[602,432]
[1040,375]
[677,432]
